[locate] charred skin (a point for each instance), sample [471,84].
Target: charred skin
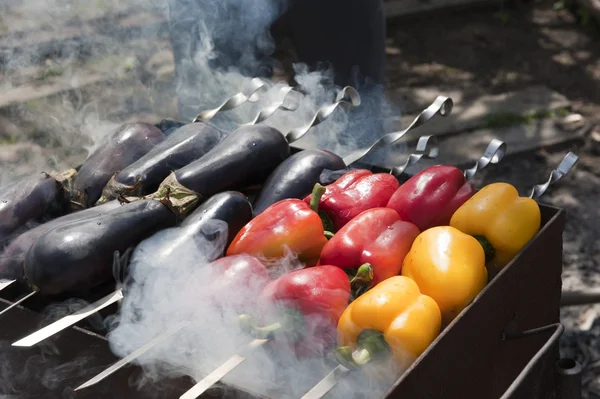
[77,256]
[184,145]
[12,259]
[128,144]
[296,177]
[29,199]
[246,155]
[231,207]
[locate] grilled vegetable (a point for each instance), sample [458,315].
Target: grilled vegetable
[377,236]
[303,307]
[287,224]
[128,144]
[355,192]
[296,177]
[448,266]
[501,221]
[231,207]
[244,157]
[12,259]
[30,199]
[76,256]
[183,146]
[393,319]
[430,197]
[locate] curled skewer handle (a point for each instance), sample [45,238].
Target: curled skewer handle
[442,105]
[427,147]
[566,165]
[270,109]
[347,99]
[492,155]
[234,101]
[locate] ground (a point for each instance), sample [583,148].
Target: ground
[479,51]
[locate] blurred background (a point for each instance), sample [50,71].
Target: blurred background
[525,72]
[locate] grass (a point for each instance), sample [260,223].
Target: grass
[508,119]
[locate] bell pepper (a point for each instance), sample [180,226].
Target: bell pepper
[431,197]
[304,307]
[289,224]
[502,221]
[449,266]
[354,192]
[377,236]
[393,318]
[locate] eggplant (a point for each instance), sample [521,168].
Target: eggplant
[296,177]
[128,144]
[12,259]
[77,256]
[183,146]
[168,126]
[231,207]
[29,199]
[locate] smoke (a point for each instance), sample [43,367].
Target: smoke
[175,292]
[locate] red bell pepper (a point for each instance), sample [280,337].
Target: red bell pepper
[289,223]
[304,307]
[377,236]
[354,192]
[431,197]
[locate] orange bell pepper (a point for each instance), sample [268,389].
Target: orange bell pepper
[502,221]
[449,266]
[393,319]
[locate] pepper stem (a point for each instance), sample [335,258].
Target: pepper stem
[291,324]
[361,281]
[315,198]
[488,248]
[371,346]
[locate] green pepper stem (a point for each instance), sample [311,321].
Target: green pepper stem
[315,198]
[291,324]
[248,325]
[371,346]
[328,234]
[488,248]
[361,281]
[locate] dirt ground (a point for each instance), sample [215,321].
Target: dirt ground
[487,51]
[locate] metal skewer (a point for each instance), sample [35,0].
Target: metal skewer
[566,165]
[20,301]
[270,109]
[132,356]
[492,155]
[69,320]
[6,283]
[326,384]
[346,99]
[427,147]
[442,105]
[249,95]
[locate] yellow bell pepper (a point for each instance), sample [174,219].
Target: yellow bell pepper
[501,220]
[392,318]
[449,266]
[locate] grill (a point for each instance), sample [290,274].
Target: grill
[504,345]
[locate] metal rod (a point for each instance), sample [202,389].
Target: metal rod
[249,95]
[326,384]
[427,147]
[566,165]
[26,297]
[568,373]
[221,371]
[5,283]
[68,321]
[492,155]
[442,105]
[577,298]
[346,99]
[270,109]
[131,357]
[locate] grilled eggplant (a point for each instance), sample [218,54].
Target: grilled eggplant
[128,144]
[296,177]
[75,257]
[184,145]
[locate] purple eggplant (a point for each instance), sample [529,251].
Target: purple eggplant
[77,256]
[128,144]
[29,199]
[296,177]
[231,207]
[183,146]
[12,258]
